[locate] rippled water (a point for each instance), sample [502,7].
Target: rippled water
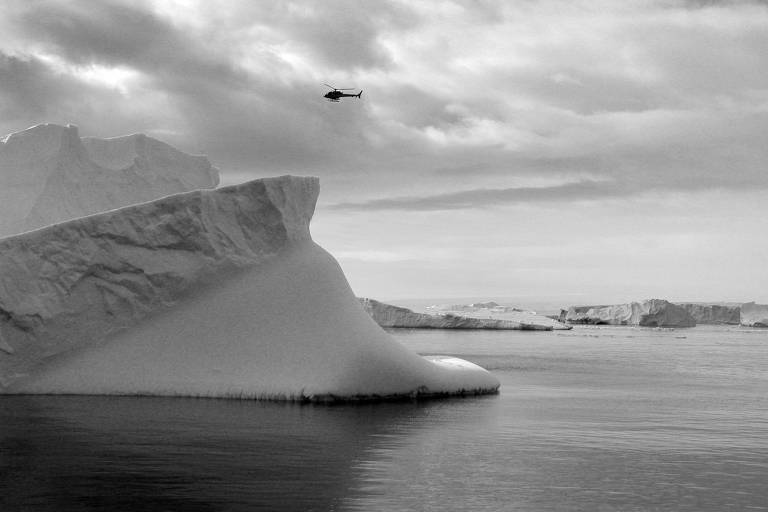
[592,419]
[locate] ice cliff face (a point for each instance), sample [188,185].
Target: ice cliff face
[206,293]
[713,313]
[48,174]
[754,315]
[387,315]
[649,313]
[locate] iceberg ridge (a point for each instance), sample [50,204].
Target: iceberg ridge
[48,174]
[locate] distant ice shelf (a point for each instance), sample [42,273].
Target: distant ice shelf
[459,317]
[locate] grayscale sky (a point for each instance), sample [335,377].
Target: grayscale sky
[579,151]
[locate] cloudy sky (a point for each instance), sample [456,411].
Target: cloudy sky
[573,151]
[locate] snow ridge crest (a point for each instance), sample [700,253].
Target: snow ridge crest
[109,271]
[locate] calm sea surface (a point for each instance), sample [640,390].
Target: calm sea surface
[597,418]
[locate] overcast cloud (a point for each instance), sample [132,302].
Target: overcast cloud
[467,106]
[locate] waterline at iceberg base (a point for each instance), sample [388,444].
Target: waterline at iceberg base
[214,293]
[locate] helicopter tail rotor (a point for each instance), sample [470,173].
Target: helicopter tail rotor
[360,94]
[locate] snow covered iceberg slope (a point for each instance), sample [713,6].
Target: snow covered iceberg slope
[206,293]
[48,174]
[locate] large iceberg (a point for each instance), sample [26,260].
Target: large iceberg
[754,315]
[205,293]
[48,174]
[387,315]
[649,313]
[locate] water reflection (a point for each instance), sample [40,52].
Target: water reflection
[128,453]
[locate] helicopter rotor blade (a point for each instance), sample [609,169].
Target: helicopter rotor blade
[337,89]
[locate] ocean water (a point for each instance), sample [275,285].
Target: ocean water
[597,418]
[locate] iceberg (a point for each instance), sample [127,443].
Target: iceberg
[492,311]
[387,315]
[713,313]
[649,313]
[214,293]
[754,315]
[48,174]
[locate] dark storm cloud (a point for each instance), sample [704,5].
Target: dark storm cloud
[31,92]
[27,87]
[337,35]
[342,35]
[628,176]
[448,106]
[243,120]
[482,198]
[114,33]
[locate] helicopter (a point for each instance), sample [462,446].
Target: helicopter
[335,94]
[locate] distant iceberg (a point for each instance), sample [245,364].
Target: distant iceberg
[649,313]
[387,315]
[218,293]
[754,315]
[713,313]
[493,311]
